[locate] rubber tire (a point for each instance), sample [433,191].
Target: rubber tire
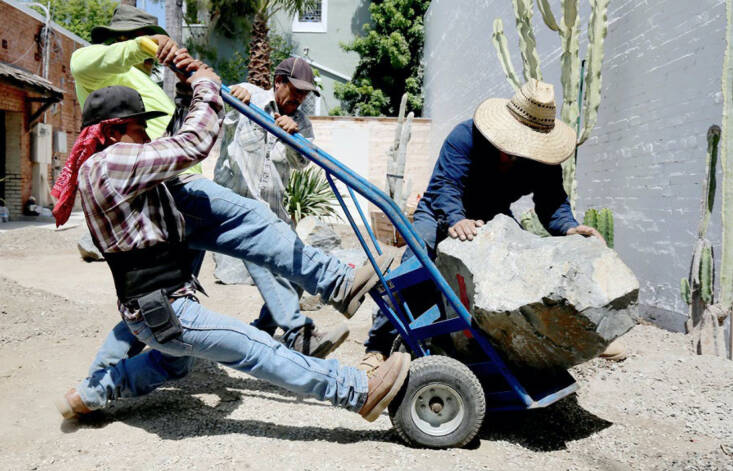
[451,372]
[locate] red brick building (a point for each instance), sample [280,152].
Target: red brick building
[39,118]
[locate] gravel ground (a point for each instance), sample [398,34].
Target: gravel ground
[663,408]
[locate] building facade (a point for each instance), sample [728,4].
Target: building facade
[39,117]
[317,35]
[645,159]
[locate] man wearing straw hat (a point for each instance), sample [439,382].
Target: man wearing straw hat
[509,149]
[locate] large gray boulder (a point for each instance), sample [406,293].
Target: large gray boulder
[548,302]
[317,233]
[88,251]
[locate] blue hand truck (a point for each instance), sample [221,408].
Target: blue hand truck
[445,398]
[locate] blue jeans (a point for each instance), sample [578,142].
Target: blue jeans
[382,334]
[282,304]
[217,219]
[232,343]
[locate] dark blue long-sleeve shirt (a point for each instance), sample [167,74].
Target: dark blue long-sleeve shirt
[467,183]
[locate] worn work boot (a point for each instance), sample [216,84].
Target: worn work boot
[371,361]
[616,351]
[71,406]
[311,341]
[365,278]
[384,384]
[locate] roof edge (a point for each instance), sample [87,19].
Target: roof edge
[30,12]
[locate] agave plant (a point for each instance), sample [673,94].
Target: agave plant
[309,194]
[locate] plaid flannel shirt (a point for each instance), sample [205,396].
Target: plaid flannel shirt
[121,187]
[253,162]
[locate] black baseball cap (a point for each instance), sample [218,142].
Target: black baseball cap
[115,102]
[299,73]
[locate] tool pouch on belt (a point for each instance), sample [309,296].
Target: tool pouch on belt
[158,314]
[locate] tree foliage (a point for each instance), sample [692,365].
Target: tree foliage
[390,61]
[80,16]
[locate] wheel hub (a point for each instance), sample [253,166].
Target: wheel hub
[437,409]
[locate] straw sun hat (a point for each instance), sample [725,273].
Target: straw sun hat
[525,126]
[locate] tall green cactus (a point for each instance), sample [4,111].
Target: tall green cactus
[527,41]
[568,29]
[698,289]
[603,221]
[531,223]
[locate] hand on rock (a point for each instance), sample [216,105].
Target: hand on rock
[465,229]
[586,231]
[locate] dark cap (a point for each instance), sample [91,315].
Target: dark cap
[115,102]
[299,73]
[127,20]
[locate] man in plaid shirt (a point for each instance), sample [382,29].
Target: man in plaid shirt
[131,215]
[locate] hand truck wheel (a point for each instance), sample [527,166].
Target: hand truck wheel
[442,404]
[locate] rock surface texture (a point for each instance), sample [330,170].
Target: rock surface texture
[317,233]
[231,271]
[549,302]
[88,251]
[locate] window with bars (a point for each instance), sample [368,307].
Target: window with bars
[311,14]
[312,19]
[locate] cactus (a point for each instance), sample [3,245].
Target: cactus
[591,218]
[502,51]
[527,41]
[603,221]
[605,225]
[568,29]
[597,30]
[531,223]
[398,156]
[698,289]
[685,290]
[707,274]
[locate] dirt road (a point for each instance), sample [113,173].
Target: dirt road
[663,408]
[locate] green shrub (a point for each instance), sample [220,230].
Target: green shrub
[309,194]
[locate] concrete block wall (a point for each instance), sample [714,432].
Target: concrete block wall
[645,161]
[376,136]
[362,144]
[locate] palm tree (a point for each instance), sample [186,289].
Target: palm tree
[259,45]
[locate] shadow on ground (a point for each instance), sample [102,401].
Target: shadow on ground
[174,413]
[547,429]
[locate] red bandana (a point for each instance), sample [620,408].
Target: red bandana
[91,140]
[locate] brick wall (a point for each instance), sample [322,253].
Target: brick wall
[18,47]
[645,161]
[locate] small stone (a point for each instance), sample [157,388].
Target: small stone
[231,271]
[317,233]
[89,252]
